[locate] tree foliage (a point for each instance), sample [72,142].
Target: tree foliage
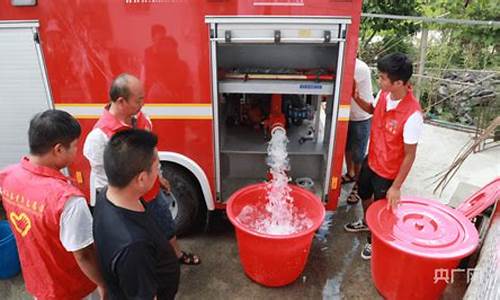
[460,46]
[465,46]
[450,46]
[381,36]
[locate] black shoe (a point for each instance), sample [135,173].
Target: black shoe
[366,254]
[356,226]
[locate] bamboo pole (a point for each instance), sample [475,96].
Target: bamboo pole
[444,177]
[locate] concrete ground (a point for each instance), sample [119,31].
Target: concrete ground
[335,269]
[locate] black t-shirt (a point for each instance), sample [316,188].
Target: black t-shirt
[136,259]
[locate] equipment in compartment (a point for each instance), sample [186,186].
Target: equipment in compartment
[276,117]
[297,109]
[248,110]
[309,136]
[264,111]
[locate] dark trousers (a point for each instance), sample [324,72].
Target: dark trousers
[370,184]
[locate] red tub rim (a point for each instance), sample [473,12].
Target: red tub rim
[232,217]
[461,245]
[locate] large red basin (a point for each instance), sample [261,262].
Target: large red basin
[274,260]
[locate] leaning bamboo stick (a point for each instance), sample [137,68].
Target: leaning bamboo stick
[444,177]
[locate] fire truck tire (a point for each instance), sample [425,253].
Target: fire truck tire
[188,209]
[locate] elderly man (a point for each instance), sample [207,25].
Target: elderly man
[124,112]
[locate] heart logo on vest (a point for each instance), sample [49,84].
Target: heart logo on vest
[21,222]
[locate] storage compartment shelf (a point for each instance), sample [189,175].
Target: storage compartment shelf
[276,87]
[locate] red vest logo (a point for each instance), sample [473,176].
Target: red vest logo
[21,223]
[391,126]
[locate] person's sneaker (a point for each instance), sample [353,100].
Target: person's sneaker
[366,254]
[356,226]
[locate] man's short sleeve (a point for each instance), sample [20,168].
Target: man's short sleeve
[135,267]
[362,75]
[413,128]
[93,150]
[76,225]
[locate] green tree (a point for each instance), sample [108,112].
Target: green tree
[380,36]
[465,46]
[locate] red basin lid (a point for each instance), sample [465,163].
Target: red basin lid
[423,228]
[481,200]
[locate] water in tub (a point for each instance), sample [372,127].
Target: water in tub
[278,216]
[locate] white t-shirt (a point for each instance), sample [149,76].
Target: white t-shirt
[362,75]
[75,225]
[413,126]
[93,150]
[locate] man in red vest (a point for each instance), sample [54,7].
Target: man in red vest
[124,112]
[49,216]
[396,127]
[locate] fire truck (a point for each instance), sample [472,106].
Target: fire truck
[216,73]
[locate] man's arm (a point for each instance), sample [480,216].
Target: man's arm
[365,105]
[76,237]
[87,261]
[394,192]
[93,150]
[411,134]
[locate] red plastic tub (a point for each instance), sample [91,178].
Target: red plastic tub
[416,248]
[274,260]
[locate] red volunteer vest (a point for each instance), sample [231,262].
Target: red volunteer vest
[111,125]
[34,197]
[386,152]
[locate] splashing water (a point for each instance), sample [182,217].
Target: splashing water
[278,216]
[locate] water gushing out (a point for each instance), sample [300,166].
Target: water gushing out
[278,216]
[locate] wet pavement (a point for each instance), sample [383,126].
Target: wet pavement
[334,269]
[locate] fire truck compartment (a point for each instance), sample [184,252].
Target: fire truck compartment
[243,142]
[254,62]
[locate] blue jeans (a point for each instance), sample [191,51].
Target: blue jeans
[160,209]
[358,133]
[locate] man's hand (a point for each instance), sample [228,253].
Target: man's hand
[393,196]
[164,183]
[394,193]
[103,294]
[362,103]
[86,259]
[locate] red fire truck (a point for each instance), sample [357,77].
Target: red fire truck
[212,70]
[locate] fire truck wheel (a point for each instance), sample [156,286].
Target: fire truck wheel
[188,210]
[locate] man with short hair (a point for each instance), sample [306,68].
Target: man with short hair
[397,124]
[49,216]
[124,112]
[136,258]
